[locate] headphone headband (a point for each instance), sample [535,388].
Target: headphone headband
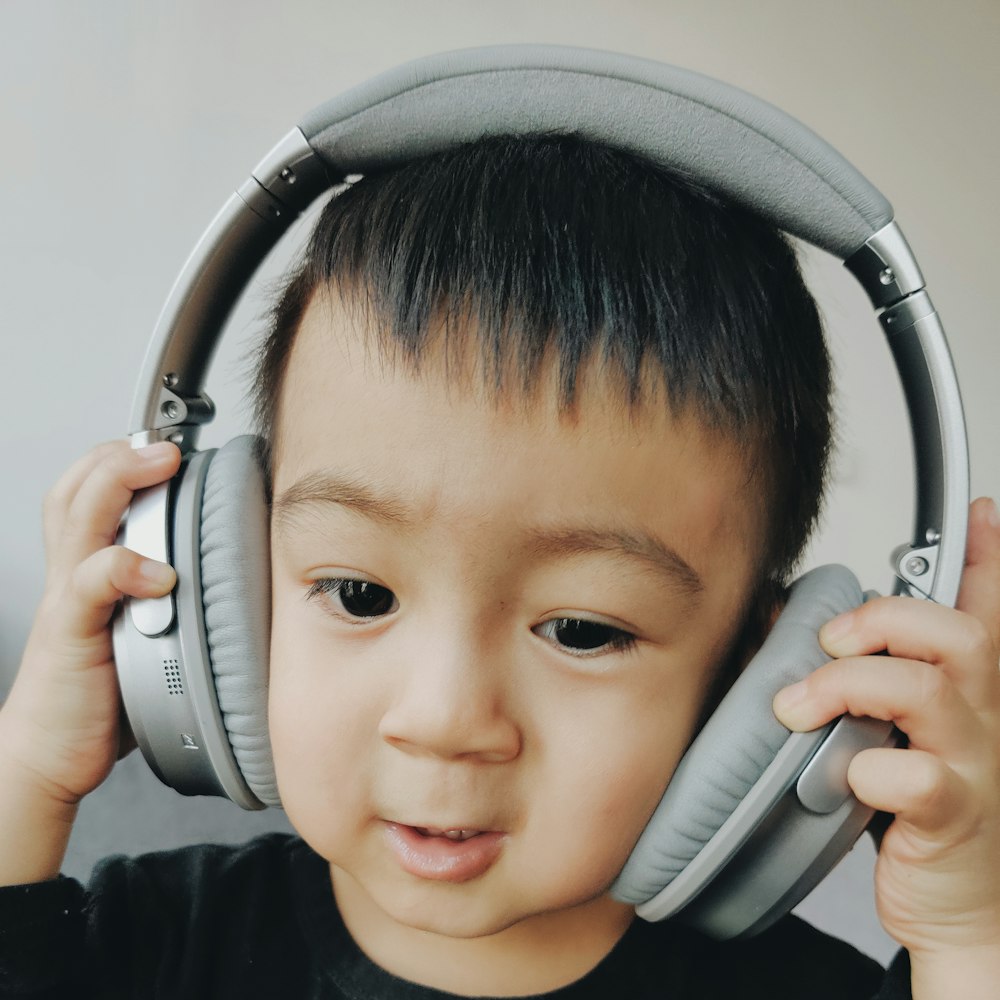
[736,144]
[742,147]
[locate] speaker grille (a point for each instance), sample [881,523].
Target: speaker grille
[171,670]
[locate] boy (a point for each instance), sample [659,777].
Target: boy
[545,430]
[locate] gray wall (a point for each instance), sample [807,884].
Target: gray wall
[125,124]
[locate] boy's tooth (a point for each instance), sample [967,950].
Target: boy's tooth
[433,831]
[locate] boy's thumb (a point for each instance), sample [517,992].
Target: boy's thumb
[979,592]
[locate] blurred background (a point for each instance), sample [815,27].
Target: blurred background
[125,125]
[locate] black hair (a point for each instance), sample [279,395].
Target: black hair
[553,243]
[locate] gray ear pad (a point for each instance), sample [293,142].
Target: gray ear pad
[236,593]
[739,740]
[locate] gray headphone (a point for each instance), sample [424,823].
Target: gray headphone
[754,816]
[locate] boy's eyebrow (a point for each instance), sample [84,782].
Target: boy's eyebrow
[389,507]
[639,545]
[344,490]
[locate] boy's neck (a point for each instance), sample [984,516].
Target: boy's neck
[537,955]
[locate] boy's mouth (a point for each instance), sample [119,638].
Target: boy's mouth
[444,854]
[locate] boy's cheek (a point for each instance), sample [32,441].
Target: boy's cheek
[319,762]
[304,719]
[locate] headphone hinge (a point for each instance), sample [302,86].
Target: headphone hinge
[173,409]
[886,268]
[178,419]
[915,567]
[291,173]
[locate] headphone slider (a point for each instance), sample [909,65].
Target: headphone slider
[822,787]
[145,532]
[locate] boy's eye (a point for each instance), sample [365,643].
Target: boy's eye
[354,598]
[581,637]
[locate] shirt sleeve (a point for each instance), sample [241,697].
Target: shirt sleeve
[42,932]
[203,920]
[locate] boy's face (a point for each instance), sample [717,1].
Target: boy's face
[536,608]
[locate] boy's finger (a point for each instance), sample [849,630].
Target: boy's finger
[85,606]
[58,499]
[917,697]
[918,787]
[94,515]
[959,644]
[979,593]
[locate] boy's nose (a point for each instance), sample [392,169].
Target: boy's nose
[449,702]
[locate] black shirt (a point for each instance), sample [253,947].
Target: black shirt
[260,920]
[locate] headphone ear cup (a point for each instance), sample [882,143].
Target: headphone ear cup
[236,597]
[740,739]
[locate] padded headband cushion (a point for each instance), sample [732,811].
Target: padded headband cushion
[740,739]
[236,576]
[734,143]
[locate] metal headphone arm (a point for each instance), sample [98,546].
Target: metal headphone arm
[171,404]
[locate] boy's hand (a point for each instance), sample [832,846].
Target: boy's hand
[937,878]
[59,729]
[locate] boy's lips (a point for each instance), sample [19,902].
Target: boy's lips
[454,854]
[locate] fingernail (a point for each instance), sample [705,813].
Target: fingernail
[156,572]
[992,514]
[789,698]
[155,452]
[835,630]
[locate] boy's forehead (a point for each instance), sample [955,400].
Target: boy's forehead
[337,329]
[350,404]
[336,340]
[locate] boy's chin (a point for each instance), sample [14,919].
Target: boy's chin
[473,910]
[455,915]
